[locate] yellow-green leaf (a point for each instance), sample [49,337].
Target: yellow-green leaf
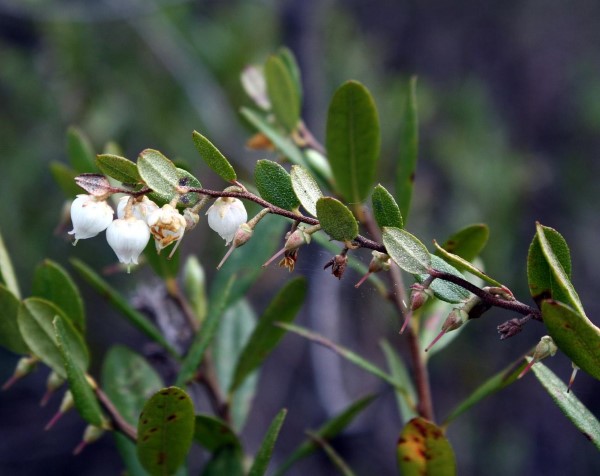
[306,188]
[385,208]
[283,93]
[336,219]
[406,250]
[119,168]
[423,450]
[80,150]
[467,242]
[463,265]
[274,184]
[213,157]
[159,173]
[10,335]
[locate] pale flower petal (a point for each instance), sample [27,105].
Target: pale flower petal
[225,216]
[128,237]
[90,216]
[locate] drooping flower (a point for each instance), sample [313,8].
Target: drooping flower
[128,237]
[225,216]
[140,208]
[90,216]
[167,226]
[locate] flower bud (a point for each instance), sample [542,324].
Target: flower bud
[544,348]
[90,216]
[419,295]
[53,383]
[338,265]
[293,241]
[65,405]
[379,262]
[24,367]
[191,218]
[225,216]
[91,433]
[167,226]
[456,318]
[128,237]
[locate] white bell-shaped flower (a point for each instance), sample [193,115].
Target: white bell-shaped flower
[167,226]
[90,216]
[140,208]
[128,237]
[225,216]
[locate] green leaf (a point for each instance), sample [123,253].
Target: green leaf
[409,150]
[306,188]
[194,283]
[7,272]
[205,336]
[464,265]
[333,456]
[129,381]
[424,450]
[562,289]
[406,395]
[119,168]
[283,93]
[137,319]
[283,143]
[213,157]
[35,323]
[491,386]
[288,58]
[542,285]
[228,461]
[468,242]
[352,140]
[159,173]
[570,405]
[328,431]
[284,307]
[52,282]
[406,250]
[214,434]
[128,452]
[10,335]
[186,179]
[336,219]
[80,150]
[340,350]
[274,184]
[85,400]
[164,265]
[574,334]
[235,328]
[64,176]
[165,431]
[445,290]
[385,208]
[263,457]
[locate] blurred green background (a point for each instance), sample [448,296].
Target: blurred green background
[509,104]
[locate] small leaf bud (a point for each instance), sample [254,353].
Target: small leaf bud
[379,262]
[65,405]
[338,265]
[456,318]
[53,383]
[24,367]
[91,434]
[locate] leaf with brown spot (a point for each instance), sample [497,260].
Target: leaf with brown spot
[423,450]
[166,431]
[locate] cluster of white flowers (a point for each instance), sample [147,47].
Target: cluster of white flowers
[139,218]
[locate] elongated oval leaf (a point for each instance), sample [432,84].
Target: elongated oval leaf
[288,58]
[165,431]
[228,461]
[445,290]
[570,405]
[213,157]
[406,250]
[53,283]
[327,431]
[283,93]
[463,265]
[406,396]
[562,289]
[159,173]
[336,219]
[213,433]
[409,150]
[574,334]
[541,283]
[85,400]
[10,335]
[35,323]
[129,381]
[306,188]
[136,318]
[424,450]
[283,308]
[80,150]
[7,272]
[263,457]
[119,168]
[467,242]
[274,184]
[64,176]
[385,208]
[353,140]
[283,143]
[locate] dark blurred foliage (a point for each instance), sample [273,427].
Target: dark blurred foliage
[509,99]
